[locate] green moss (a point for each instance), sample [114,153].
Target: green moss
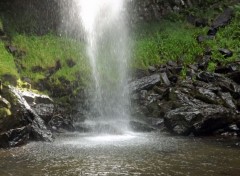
[46,50]
[4,112]
[7,64]
[168,41]
[211,66]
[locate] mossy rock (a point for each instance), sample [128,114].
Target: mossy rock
[5,119]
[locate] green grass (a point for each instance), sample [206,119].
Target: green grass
[229,38]
[166,41]
[45,50]
[7,65]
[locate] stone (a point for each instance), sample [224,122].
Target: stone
[199,120]
[15,137]
[70,62]
[223,19]
[198,22]
[12,49]
[173,79]
[180,121]
[59,123]
[226,69]
[144,83]
[212,32]
[206,77]
[172,64]
[235,76]
[152,69]
[22,109]
[45,111]
[227,98]
[225,52]
[203,38]
[165,79]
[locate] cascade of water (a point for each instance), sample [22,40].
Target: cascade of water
[106,33]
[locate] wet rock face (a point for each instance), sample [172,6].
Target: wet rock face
[22,114]
[204,103]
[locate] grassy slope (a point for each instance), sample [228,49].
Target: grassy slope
[7,65]
[45,50]
[165,41]
[162,41]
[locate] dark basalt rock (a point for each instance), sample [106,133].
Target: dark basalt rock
[59,123]
[200,120]
[226,52]
[212,32]
[39,130]
[20,119]
[165,79]
[235,76]
[203,38]
[45,111]
[70,62]
[198,22]
[12,49]
[206,77]
[223,19]
[52,70]
[15,137]
[145,83]
[205,105]
[226,69]
[203,62]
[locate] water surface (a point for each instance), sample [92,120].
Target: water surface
[130,154]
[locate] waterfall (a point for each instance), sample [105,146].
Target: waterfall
[105,29]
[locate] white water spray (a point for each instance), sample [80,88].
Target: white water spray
[106,33]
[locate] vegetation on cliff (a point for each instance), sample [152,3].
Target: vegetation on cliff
[52,61]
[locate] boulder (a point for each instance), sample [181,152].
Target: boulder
[223,19]
[225,52]
[235,76]
[144,83]
[152,69]
[199,120]
[19,121]
[15,137]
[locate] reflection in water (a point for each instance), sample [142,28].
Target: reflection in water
[130,154]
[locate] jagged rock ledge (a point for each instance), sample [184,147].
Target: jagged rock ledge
[203,103]
[27,116]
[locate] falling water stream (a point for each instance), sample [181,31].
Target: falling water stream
[105,30]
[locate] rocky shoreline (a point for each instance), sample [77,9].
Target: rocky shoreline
[203,103]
